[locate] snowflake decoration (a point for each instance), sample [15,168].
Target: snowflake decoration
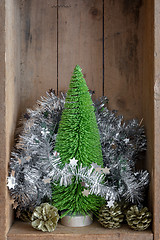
[11,182]
[110,203]
[47,180]
[126,140]
[99,169]
[45,133]
[85,192]
[106,170]
[73,162]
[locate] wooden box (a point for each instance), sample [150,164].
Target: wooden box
[117,44]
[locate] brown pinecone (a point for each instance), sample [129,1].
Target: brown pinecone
[138,219]
[110,217]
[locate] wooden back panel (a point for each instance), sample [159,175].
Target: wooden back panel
[80,41]
[38,64]
[123,56]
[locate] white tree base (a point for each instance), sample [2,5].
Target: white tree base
[77,220]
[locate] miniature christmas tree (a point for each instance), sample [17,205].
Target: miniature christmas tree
[78,138]
[78,134]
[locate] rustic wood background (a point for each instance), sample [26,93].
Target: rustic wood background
[104,37]
[112,40]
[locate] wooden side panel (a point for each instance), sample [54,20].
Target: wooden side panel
[80,25]
[148,93]
[12,82]
[123,56]
[2,124]
[9,79]
[38,49]
[156,29]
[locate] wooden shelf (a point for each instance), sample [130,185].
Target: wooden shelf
[24,231]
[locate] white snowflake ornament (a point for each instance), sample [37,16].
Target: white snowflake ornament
[47,180]
[11,182]
[110,203]
[73,162]
[99,169]
[106,170]
[126,140]
[85,192]
[45,132]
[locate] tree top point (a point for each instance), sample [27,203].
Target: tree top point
[77,67]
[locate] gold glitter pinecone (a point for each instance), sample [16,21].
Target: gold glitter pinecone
[110,217]
[45,217]
[138,219]
[125,207]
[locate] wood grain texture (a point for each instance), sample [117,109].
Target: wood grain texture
[9,100]
[123,56]
[2,124]
[12,88]
[148,93]
[38,49]
[156,54]
[24,231]
[80,42]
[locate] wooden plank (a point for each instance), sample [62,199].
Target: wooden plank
[148,94]
[123,56]
[12,87]
[128,68]
[9,100]
[156,52]
[24,231]
[2,124]
[38,49]
[12,82]
[80,42]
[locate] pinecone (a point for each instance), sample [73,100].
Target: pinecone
[125,206]
[45,217]
[138,219]
[25,216]
[110,217]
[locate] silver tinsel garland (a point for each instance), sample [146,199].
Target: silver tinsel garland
[34,163]
[34,143]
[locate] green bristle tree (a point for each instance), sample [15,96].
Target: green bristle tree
[78,137]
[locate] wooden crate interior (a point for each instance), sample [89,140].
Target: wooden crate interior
[113,43]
